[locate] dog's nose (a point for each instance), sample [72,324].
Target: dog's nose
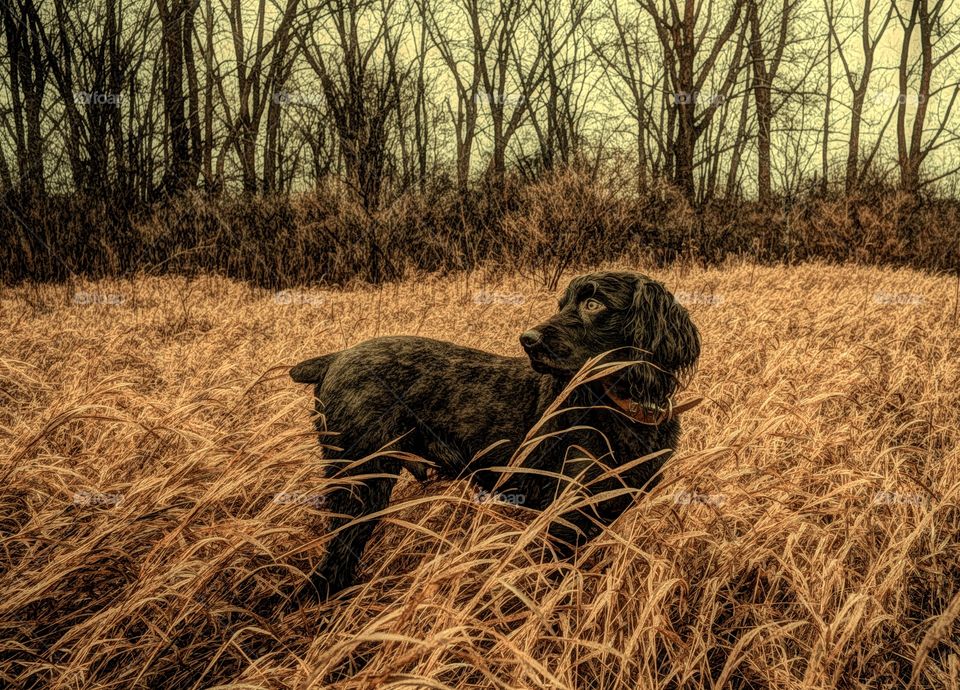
[530,338]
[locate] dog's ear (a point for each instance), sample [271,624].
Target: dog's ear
[665,341]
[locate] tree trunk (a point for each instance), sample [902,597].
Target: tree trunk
[173,14]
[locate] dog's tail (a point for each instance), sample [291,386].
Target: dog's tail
[312,370]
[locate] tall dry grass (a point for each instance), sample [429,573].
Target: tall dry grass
[159,489]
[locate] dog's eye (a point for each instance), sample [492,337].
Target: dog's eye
[593,305]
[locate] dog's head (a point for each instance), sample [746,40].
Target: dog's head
[626,312]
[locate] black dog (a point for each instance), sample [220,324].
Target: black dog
[449,404]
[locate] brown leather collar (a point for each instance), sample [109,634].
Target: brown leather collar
[651,414]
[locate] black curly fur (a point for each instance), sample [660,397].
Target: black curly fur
[447,403]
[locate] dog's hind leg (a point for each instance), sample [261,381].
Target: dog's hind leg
[359,490]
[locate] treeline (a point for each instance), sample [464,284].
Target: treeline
[193,134]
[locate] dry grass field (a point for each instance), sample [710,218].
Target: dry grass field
[160,498]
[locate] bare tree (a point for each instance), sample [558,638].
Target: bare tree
[689,58]
[858,80]
[360,79]
[281,60]
[422,120]
[23,31]
[934,28]
[262,65]
[494,50]
[625,55]
[498,42]
[765,62]
[743,134]
[561,31]
[827,105]
[142,97]
[176,21]
[206,155]
[464,117]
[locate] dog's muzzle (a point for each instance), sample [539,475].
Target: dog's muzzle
[546,356]
[530,339]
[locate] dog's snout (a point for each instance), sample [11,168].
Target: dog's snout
[530,338]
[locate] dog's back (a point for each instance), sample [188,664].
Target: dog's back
[423,394]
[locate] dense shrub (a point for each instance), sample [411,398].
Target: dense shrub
[563,219]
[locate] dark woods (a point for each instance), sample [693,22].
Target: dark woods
[294,140]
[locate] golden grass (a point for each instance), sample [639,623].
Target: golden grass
[158,475]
